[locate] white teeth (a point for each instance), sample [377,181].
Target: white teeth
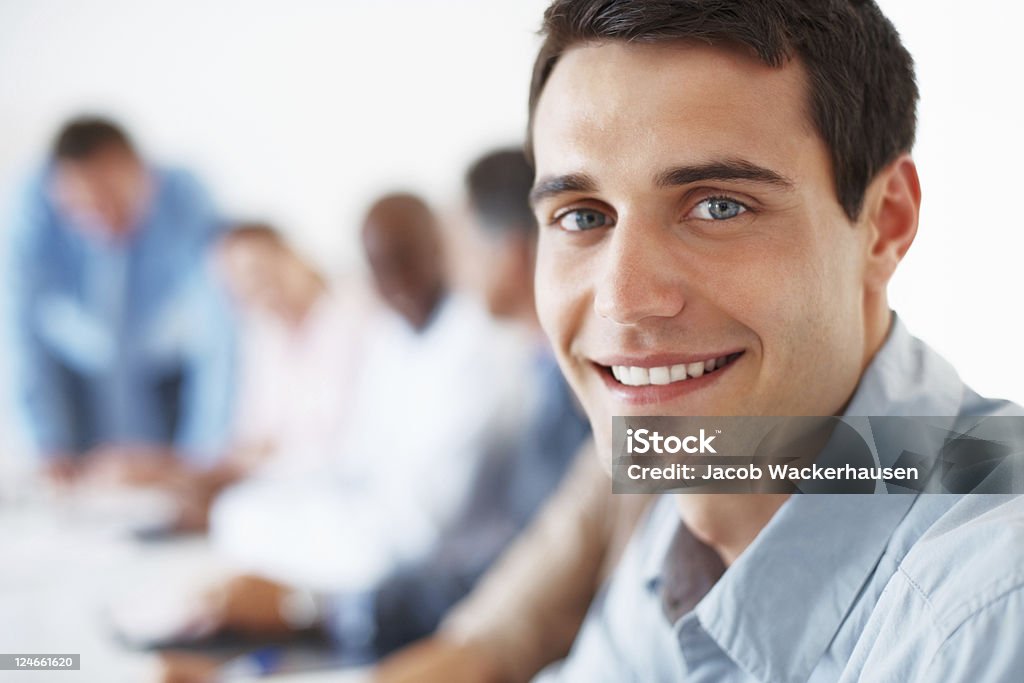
[678,372]
[641,377]
[661,375]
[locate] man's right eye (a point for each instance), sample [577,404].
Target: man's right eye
[578,220]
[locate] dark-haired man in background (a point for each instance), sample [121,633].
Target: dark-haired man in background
[122,345]
[724,191]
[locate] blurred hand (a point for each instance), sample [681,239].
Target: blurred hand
[61,470]
[248,456]
[436,660]
[129,465]
[193,507]
[182,667]
[143,466]
[251,605]
[247,606]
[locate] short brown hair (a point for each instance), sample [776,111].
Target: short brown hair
[863,95]
[84,136]
[498,185]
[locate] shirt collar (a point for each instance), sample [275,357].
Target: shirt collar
[777,608]
[907,378]
[817,551]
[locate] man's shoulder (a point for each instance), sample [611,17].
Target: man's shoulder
[172,176]
[32,220]
[974,405]
[182,208]
[951,604]
[970,559]
[31,192]
[177,185]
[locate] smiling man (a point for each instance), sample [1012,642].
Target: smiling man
[724,191]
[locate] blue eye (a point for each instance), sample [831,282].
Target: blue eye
[583,219]
[718,209]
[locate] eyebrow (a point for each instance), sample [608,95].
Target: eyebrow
[552,186]
[729,169]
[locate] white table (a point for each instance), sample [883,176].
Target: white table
[58,575]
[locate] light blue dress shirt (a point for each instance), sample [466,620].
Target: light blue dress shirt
[120,341]
[901,588]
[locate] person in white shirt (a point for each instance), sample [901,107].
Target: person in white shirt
[439,395]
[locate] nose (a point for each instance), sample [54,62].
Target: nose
[640,278]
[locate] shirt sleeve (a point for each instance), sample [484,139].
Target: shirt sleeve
[39,399]
[207,391]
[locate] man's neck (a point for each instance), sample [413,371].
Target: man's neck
[728,523]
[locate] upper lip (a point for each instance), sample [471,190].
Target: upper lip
[658,360]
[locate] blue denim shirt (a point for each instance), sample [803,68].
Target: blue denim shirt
[120,341]
[898,588]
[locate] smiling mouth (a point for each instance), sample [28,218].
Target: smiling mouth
[633,376]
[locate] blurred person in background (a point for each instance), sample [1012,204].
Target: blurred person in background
[437,395]
[440,398]
[123,351]
[507,492]
[300,338]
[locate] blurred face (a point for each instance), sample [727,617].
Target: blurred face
[104,193]
[506,278]
[693,258]
[256,272]
[405,260]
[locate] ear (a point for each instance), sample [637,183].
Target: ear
[891,209]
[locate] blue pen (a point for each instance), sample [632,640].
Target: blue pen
[254,664]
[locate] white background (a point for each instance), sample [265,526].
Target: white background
[300,112]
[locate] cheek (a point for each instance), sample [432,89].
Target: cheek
[808,316]
[800,311]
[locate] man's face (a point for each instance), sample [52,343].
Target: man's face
[104,193]
[405,261]
[693,257]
